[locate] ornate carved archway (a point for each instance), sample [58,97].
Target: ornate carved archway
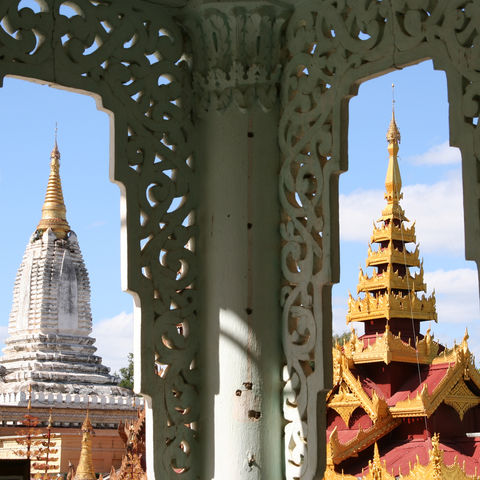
[131,55]
[334,47]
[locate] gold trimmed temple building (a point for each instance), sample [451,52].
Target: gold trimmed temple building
[402,404]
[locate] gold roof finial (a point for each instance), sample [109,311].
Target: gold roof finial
[393,134]
[85,470]
[54,212]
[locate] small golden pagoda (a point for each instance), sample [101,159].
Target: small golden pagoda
[395,388]
[85,470]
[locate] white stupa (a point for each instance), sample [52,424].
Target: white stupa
[49,348]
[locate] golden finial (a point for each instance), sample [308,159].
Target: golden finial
[393,134]
[54,212]
[85,470]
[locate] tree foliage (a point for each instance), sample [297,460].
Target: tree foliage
[126,374]
[341,338]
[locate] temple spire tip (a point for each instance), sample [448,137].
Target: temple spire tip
[393,133]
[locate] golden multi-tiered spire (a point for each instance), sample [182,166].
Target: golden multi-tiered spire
[85,470]
[390,292]
[54,212]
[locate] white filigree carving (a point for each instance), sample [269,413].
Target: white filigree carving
[130,56]
[334,46]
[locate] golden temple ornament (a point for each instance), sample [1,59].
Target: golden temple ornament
[54,212]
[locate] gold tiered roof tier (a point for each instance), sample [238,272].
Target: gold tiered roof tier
[390,280]
[390,292]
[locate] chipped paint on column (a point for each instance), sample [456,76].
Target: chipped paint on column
[241,361]
[236,87]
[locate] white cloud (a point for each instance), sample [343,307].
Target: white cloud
[456,292]
[437,209]
[97,224]
[339,312]
[442,154]
[114,340]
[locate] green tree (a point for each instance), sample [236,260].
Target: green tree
[126,374]
[341,338]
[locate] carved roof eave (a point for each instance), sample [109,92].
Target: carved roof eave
[385,418]
[390,279]
[393,255]
[424,403]
[375,407]
[363,439]
[393,232]
[391,348]
[390,305]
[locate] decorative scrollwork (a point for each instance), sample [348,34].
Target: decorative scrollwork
[334,46]
[130,54]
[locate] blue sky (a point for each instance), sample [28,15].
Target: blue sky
[430,172]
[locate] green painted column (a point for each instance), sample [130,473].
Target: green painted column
[240,309]
[238,160]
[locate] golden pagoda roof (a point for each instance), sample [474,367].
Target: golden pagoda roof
[390,279]
[54,212]
[390,292]
[391,254]
[388,348]
[391,231]
[390,305]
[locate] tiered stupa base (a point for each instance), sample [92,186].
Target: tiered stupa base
[58,364]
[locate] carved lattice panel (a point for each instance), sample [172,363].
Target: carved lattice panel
[334,46]
[130,56]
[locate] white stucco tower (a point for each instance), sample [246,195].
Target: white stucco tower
[49,346]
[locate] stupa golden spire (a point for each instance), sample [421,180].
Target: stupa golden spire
[390,292]
[54,212]
[85,470]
